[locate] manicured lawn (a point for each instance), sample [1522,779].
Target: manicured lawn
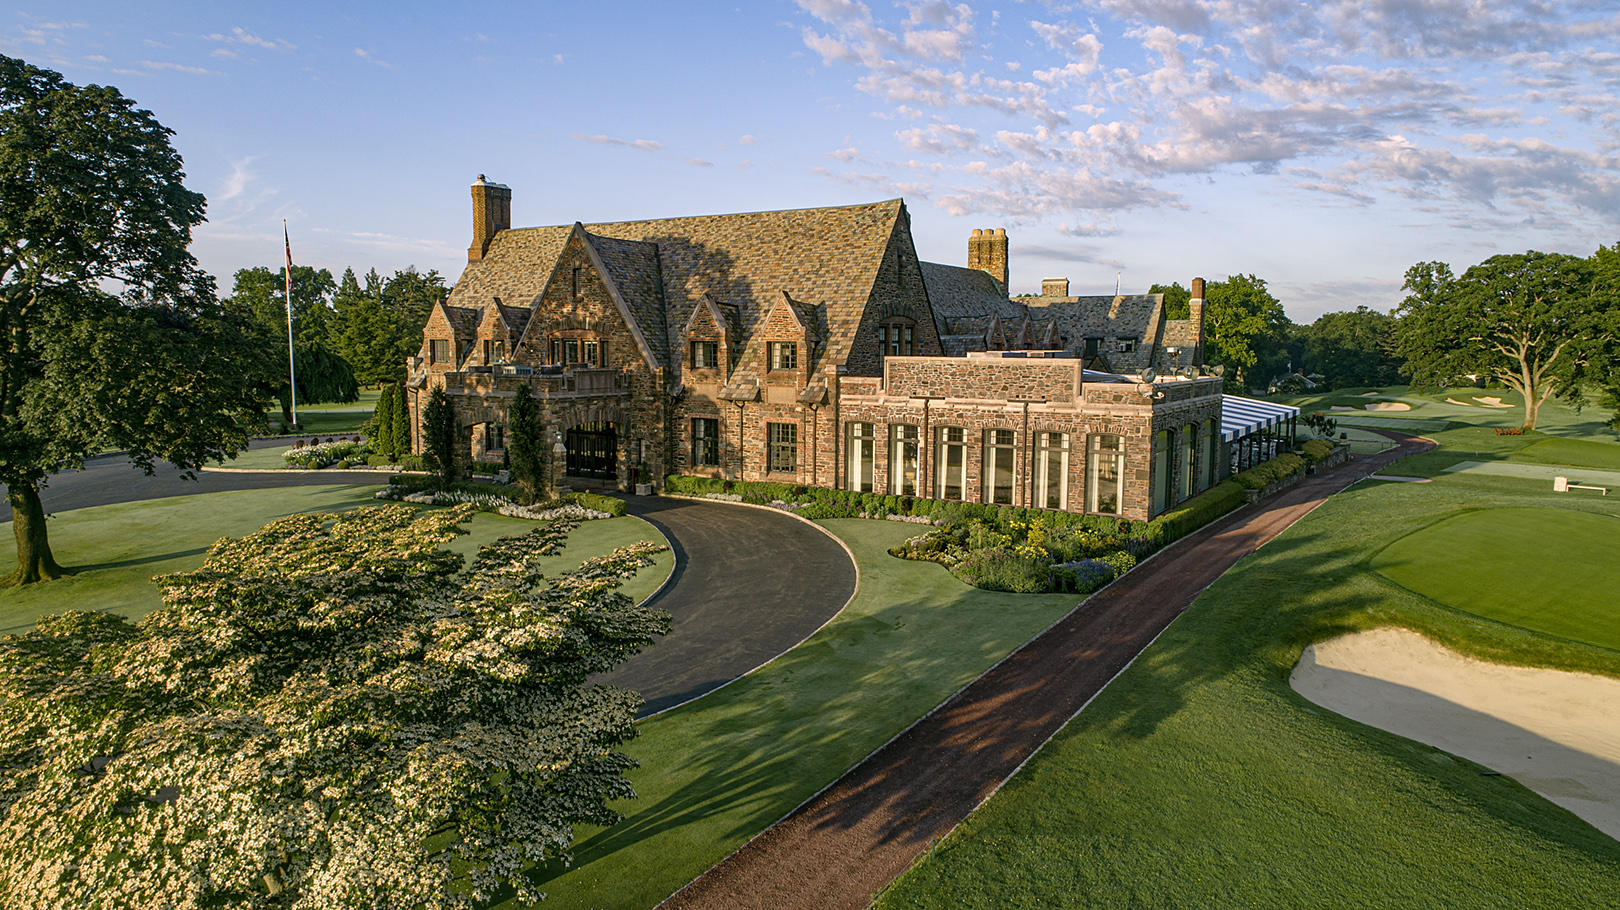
[1551,570]
[1431,412]
[716,772]
[1586,453]
[115,550]
[1200,779]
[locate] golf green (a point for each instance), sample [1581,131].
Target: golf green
[1547,570]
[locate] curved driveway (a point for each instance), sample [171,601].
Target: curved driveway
[748,583]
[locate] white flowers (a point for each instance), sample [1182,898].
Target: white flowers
[488,502]
[330,709]
[322,454]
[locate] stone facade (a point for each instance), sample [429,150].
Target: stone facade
[811,347]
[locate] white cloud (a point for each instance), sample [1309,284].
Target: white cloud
[371,58]
[242,36]
[699,162]
[236,184]
[177,67]
[646,145]
[745,140]
[845,154]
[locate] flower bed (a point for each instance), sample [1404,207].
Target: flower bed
[316,454]
[490,502]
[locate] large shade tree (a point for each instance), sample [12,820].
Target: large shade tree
[1527,320]
[92,197]
[329,712]
[1243,323]
[381,321]
[1353,348]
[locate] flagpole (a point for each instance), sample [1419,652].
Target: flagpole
[292,372]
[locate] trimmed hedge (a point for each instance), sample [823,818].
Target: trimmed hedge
[609,504]
[1317,449]
[1267,473]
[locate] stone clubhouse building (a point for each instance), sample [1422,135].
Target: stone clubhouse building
[813,347]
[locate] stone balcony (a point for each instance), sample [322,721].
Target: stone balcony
[568,382]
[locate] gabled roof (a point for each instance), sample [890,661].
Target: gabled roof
[631,268]
[724,315]
[964,299]
[463,319]
[516,317]
[828,257]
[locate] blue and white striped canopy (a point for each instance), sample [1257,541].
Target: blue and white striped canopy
[1241,416]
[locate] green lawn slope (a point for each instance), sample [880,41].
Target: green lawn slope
[1200,779]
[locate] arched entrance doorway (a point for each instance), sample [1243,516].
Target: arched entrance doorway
[593,450]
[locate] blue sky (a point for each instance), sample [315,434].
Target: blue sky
[1324,146]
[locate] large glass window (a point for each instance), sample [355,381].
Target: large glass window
[898,337]
[998,466]
[782,448]
[1105,480]
[905,459]
[704,354]
[784,355]
[950,462]
[1160,482]
[1212,454]
[1189,445]
[861,445]
[1052,470]
[705,442]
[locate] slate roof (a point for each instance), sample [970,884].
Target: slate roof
[964,299]
[517,317]
[632,266]
[463,319]
[827,257]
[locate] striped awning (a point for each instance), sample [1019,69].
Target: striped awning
[1241,416]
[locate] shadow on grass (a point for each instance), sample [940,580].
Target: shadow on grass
[139,560]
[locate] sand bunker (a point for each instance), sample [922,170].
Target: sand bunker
[1555,732]
[1491,402]
[1465,404]
[1388,406]
[1341,407]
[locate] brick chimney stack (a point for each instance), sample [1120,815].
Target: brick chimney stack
[1197,319]
[987,250]
[492,213]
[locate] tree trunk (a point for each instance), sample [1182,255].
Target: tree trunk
[34,560]
[286,413]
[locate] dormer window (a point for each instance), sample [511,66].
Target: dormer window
[784,355]
[705,355]
[1127,345]
[439,350]
[494,351]
[898,337]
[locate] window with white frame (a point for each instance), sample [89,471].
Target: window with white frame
[782,448]
[951,462]
[705,442]
[998,466]
[860,445]
[1052,470]
[905,459]
[1105,474]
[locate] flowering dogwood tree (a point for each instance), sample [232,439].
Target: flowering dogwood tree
[330,712]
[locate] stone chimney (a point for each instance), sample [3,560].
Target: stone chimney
[1054,287]
[492,213]
[1196,317]
[987,250]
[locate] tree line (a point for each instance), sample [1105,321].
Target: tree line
[1542,324]
[347,333]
